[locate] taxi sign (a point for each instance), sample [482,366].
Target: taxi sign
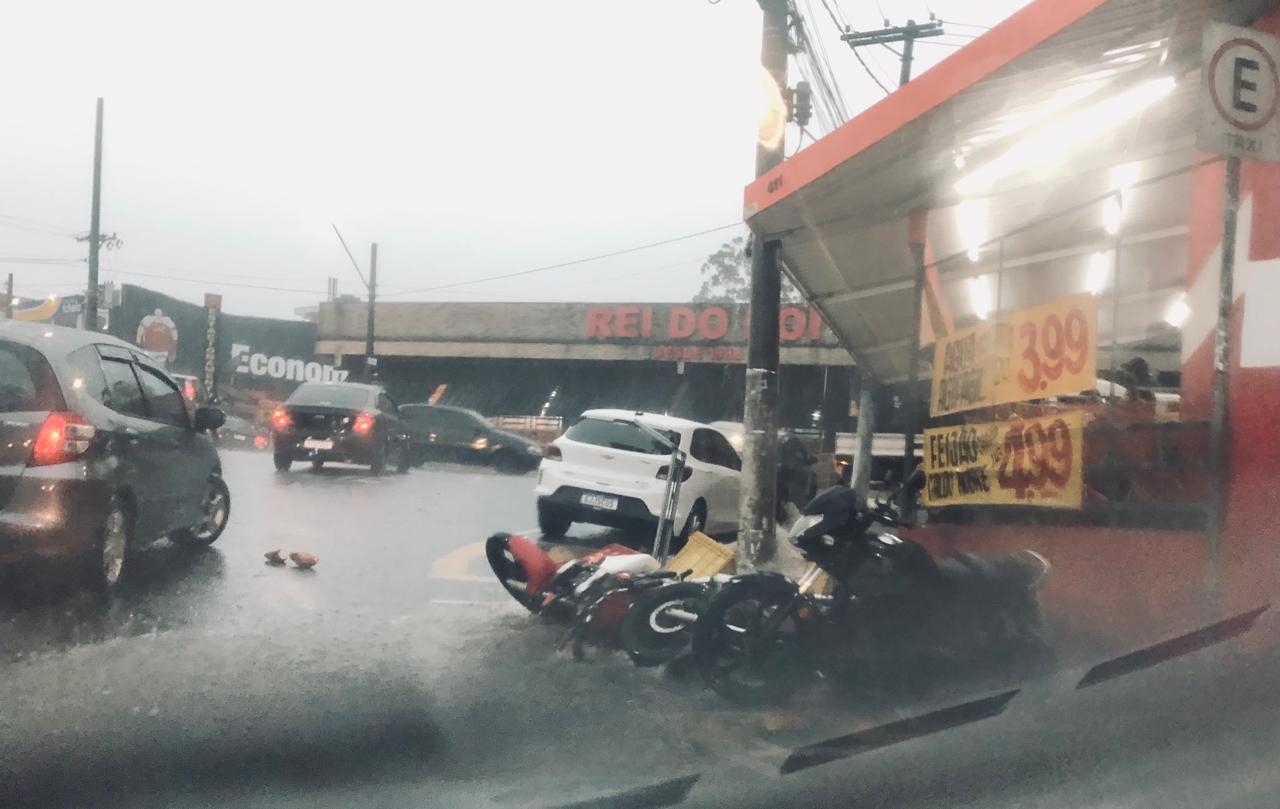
[1240,92]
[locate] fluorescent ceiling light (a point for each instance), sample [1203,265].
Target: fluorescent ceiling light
[1112,214]
[980,296]
[1178,312]
[1052,141]
[971,219]
[1096,276]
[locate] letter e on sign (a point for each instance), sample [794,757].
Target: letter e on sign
[1240,93]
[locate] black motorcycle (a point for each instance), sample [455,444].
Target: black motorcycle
[893,611]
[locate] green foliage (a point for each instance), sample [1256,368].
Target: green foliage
[726,276]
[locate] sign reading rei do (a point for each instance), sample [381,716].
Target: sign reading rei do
[1240,89]
[1047,350]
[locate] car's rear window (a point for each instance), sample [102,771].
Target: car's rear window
[26,380]
[330,396]
[617,435]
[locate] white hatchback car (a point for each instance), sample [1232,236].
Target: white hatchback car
[605,470]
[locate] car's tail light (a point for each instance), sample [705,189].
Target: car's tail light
[665,471]
[552,453]
[364,423]
[189,391]
[63,437]
[280,419]
[259,441]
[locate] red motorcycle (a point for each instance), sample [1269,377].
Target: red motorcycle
[611,597]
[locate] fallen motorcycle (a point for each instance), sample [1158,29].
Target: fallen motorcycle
[893,610]
[611,597]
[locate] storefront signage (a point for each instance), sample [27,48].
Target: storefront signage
[704,323]
[1034,462]
[1239,93]
[293,369]
[1047,350]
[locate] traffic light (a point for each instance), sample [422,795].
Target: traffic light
[803,106]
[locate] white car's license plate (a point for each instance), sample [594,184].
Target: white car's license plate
[317,443]
[600,501]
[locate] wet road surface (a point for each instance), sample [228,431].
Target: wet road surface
[397,673]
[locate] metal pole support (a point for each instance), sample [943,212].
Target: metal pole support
[1219,462]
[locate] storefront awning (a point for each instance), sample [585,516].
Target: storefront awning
[1012,145]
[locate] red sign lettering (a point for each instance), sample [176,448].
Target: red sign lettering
[682,324]
[713,323]
[791,323]
[625,321]
[598,318]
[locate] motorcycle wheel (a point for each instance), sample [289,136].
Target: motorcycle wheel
[509,571]
[723,639]
[650,633]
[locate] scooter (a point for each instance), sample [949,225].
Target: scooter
[893,613]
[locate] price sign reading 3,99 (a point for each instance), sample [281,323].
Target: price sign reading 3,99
[1047,350]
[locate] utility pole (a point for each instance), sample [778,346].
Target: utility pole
[906,34]
[8,299]
[758,512]
[91,294]
[371,361]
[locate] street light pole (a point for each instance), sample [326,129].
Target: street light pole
[757,518]
[91,294]
[371,361]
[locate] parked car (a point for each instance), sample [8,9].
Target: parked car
[339,421]
[238,433]
[100,453]
[606,470]
[440,433]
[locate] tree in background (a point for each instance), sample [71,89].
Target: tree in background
[726,276]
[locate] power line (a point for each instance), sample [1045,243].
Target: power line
[209,282]
[873,76]
[573,263]
[31,223]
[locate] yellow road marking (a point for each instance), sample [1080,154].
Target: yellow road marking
[456,564]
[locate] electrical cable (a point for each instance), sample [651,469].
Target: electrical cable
[867,68]
[572,263]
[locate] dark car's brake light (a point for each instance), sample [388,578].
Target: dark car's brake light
[364,423]
[280,419]
[63,437]
[664,471]
[551,452]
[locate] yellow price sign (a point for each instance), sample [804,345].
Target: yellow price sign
[1029,462]
[1035,353]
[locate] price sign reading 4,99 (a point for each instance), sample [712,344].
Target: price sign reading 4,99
[1033,462]
[1047,350]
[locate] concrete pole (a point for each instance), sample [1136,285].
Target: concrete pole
[758,515]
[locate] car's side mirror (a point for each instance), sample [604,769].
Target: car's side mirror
[209,418]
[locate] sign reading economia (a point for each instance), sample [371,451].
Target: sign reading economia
[1032,462]
[1035,353]
[1240,91]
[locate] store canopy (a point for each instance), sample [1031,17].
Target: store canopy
[1011,147]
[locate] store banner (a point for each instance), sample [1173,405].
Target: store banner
[1028,462]
[1035,353]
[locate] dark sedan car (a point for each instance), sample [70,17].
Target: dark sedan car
[455,434]
[339,421]
[99,454]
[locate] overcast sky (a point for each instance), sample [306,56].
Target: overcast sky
[468,139]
